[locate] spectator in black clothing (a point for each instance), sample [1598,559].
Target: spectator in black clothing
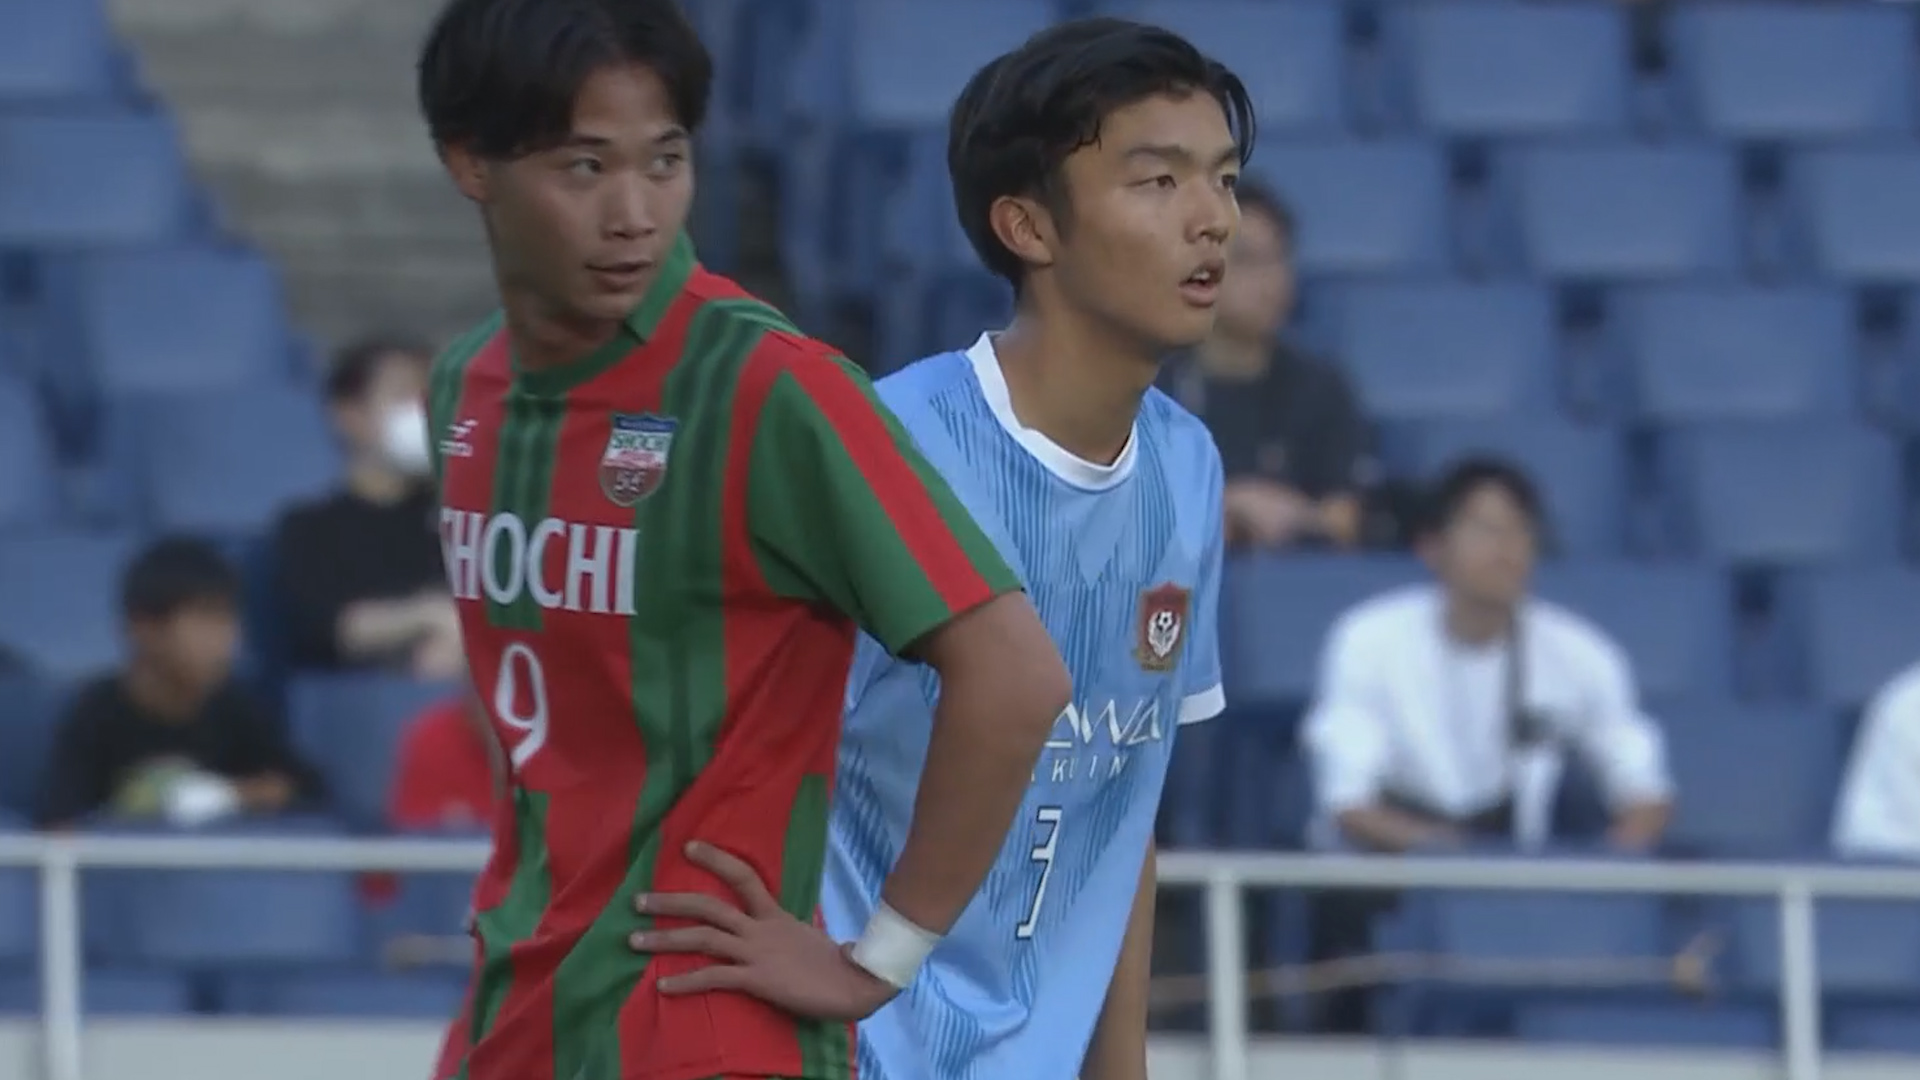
[358,573]
[174,736]
[1291,438]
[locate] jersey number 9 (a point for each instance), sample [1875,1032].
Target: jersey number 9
[520,702]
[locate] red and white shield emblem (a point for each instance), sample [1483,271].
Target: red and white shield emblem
[1163,627]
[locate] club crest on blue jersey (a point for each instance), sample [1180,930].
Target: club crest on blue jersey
[1163,626]
[636,459]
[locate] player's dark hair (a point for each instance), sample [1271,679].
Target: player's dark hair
[1468,477]
[1257,198]
[354,367]
[174,573]
[1026,112]
[500,77]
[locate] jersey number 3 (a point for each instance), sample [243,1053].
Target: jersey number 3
[520,702]
[1048,818]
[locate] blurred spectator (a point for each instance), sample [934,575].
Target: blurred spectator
[1434,722]
[174,737]
[358,573]
[448,773]
[1290,436]
[1878,812]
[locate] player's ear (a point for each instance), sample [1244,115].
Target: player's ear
[1025,228]
[467,169]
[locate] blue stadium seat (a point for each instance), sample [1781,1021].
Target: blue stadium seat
[910,59]
[223,462]
[62,609]
[1862,623]
[1857,205]
[349,727]
[1729,353]
[1667,1024]
[235,918]
[1276,612]
[1499,69]
[184,318]
[1673,621]
[19,905]
[1721,809]
[1866,949]
[1874,1029]
[91,180]
[345,994]
[1783,492]
[1291,56]
[1625,212]
[1796,71]
[26,458]
[106,993]
[28,715]
[1418,351]
[1580,471]
[55,54]
[1363,208]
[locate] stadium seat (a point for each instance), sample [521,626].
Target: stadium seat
[1418,351]
[1291,56]
[1276,612]
[1580,471]
[19,905]
[185,318]
[55,54]
[349,726]
[1782,493]
[1866,949]
[1505,70]
[1624,212]
[62,609]
[1862,222]
[28,715]
[1874,1029]
[1667,1024]
[102,179]
[1728,353]
[345,994]
[1673,621]
[217,919]
[222,462]
[106,993]
[1363,208]
[1795,71]
[910,58]
[1715,753]
[27,486]
[1862,623]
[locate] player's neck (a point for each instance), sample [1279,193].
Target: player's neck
[544,339]
[1476,624]
[1079,388]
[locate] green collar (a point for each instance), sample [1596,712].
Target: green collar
[640,324]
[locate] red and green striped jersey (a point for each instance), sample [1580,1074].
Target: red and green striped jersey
[662,555]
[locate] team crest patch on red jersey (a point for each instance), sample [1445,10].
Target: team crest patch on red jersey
[1163,627]
[636,457]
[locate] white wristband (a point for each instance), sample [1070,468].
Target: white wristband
[892,948]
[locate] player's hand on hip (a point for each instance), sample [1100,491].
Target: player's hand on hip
[761,949]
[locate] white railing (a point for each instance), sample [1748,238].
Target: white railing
[1222,876]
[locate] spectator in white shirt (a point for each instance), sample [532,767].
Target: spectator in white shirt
[1436,722]
[1878,813]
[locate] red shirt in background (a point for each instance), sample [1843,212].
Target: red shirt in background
[443,776]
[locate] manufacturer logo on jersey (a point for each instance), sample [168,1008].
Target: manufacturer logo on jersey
[1163,627]
[636,457]
[458,441]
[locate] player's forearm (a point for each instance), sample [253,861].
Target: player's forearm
[369,627]
[1002,686]
[1119,1047]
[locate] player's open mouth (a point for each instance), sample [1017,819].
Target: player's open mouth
[622,275]
[1202,287]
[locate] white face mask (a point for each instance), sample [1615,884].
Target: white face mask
[403,439]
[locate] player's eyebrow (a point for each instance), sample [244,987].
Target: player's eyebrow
[1176,154]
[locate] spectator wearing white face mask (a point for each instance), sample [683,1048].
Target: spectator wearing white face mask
[358,573]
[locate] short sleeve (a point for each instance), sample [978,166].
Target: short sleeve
[1202,696]
[1878,811]
[1622,742]
[1345,731]
[845,511]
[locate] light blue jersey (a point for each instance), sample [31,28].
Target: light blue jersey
[1123,563]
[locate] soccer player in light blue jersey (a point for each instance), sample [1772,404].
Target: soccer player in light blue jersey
[1094,169]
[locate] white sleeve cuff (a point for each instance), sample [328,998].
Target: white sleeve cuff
[1204,705]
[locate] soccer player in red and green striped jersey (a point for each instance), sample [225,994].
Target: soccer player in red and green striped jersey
[666,515]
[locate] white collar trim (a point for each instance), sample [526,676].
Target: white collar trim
[1057,460]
